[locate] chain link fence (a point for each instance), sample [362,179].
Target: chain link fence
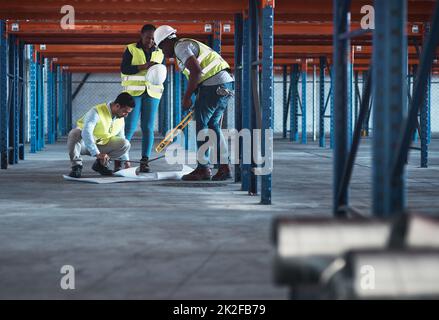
[99,88]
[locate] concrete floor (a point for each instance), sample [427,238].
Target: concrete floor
[166,240]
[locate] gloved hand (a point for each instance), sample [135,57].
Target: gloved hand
[103,158]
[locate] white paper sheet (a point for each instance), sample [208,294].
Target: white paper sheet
[133,175]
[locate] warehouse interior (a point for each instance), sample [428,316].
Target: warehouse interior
[350,209]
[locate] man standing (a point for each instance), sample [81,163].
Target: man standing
[100,134]
[209,74]
[137,59]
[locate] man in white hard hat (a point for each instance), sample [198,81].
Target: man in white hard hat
[209,75]
[137,60]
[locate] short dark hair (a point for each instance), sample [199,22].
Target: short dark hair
[147,27]
[125,100]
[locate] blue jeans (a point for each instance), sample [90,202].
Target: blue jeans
[145,109]
[209,109]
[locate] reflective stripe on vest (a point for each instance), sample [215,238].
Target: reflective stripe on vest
[133,78]
[150,87]
[210,61]
[106,126]
[137,83]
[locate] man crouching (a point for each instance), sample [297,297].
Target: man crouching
[100,134]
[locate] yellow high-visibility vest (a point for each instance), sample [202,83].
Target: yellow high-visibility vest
[106,127]
[210,61]
[136,84]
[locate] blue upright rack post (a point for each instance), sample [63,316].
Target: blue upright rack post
[254,57]
[60,97]
[285,101]
[160,115]
[167,103]
[294,103]
[40,113]
[267,96]
[246,96]
[217,41]
[365,131]
[33,100]
[322,139]
[424,127]
[414,73]
[390,63]
[356,97]
[331,101]
[185,130]
[3,99]
[50,106]
[350,106]
[340,82]
[425,115]
[238,87]
[429,108]
[22,96]
[217,34]
[65,101]
[177,99]
[69,102]
[304,98]
[14,116]
[16,102]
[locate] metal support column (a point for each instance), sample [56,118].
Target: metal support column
[60,97]
[294,103]
[3,98]
[40,99]
[14,111]
[424,115]
[429,109]
[176,114]
[304,106]
[33,100]
[341,114]
[332,119]
[217,34]
[322,138]
[356,96]
[238,87]
[246,97]
[166,98]
[66,101]
[285,102]
[365,131]
[21,92]
[185,130]
[254,58]
[69,102]
[389,72]
[51,109]
[350,102]
[267,97]
[414,73]
[314,103]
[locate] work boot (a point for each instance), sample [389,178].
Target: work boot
[223,173]
[119,165]
[144,166]
[76,171]
[200,173]
[103,170]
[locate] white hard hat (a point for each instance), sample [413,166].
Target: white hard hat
[156,74]
[163,32]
